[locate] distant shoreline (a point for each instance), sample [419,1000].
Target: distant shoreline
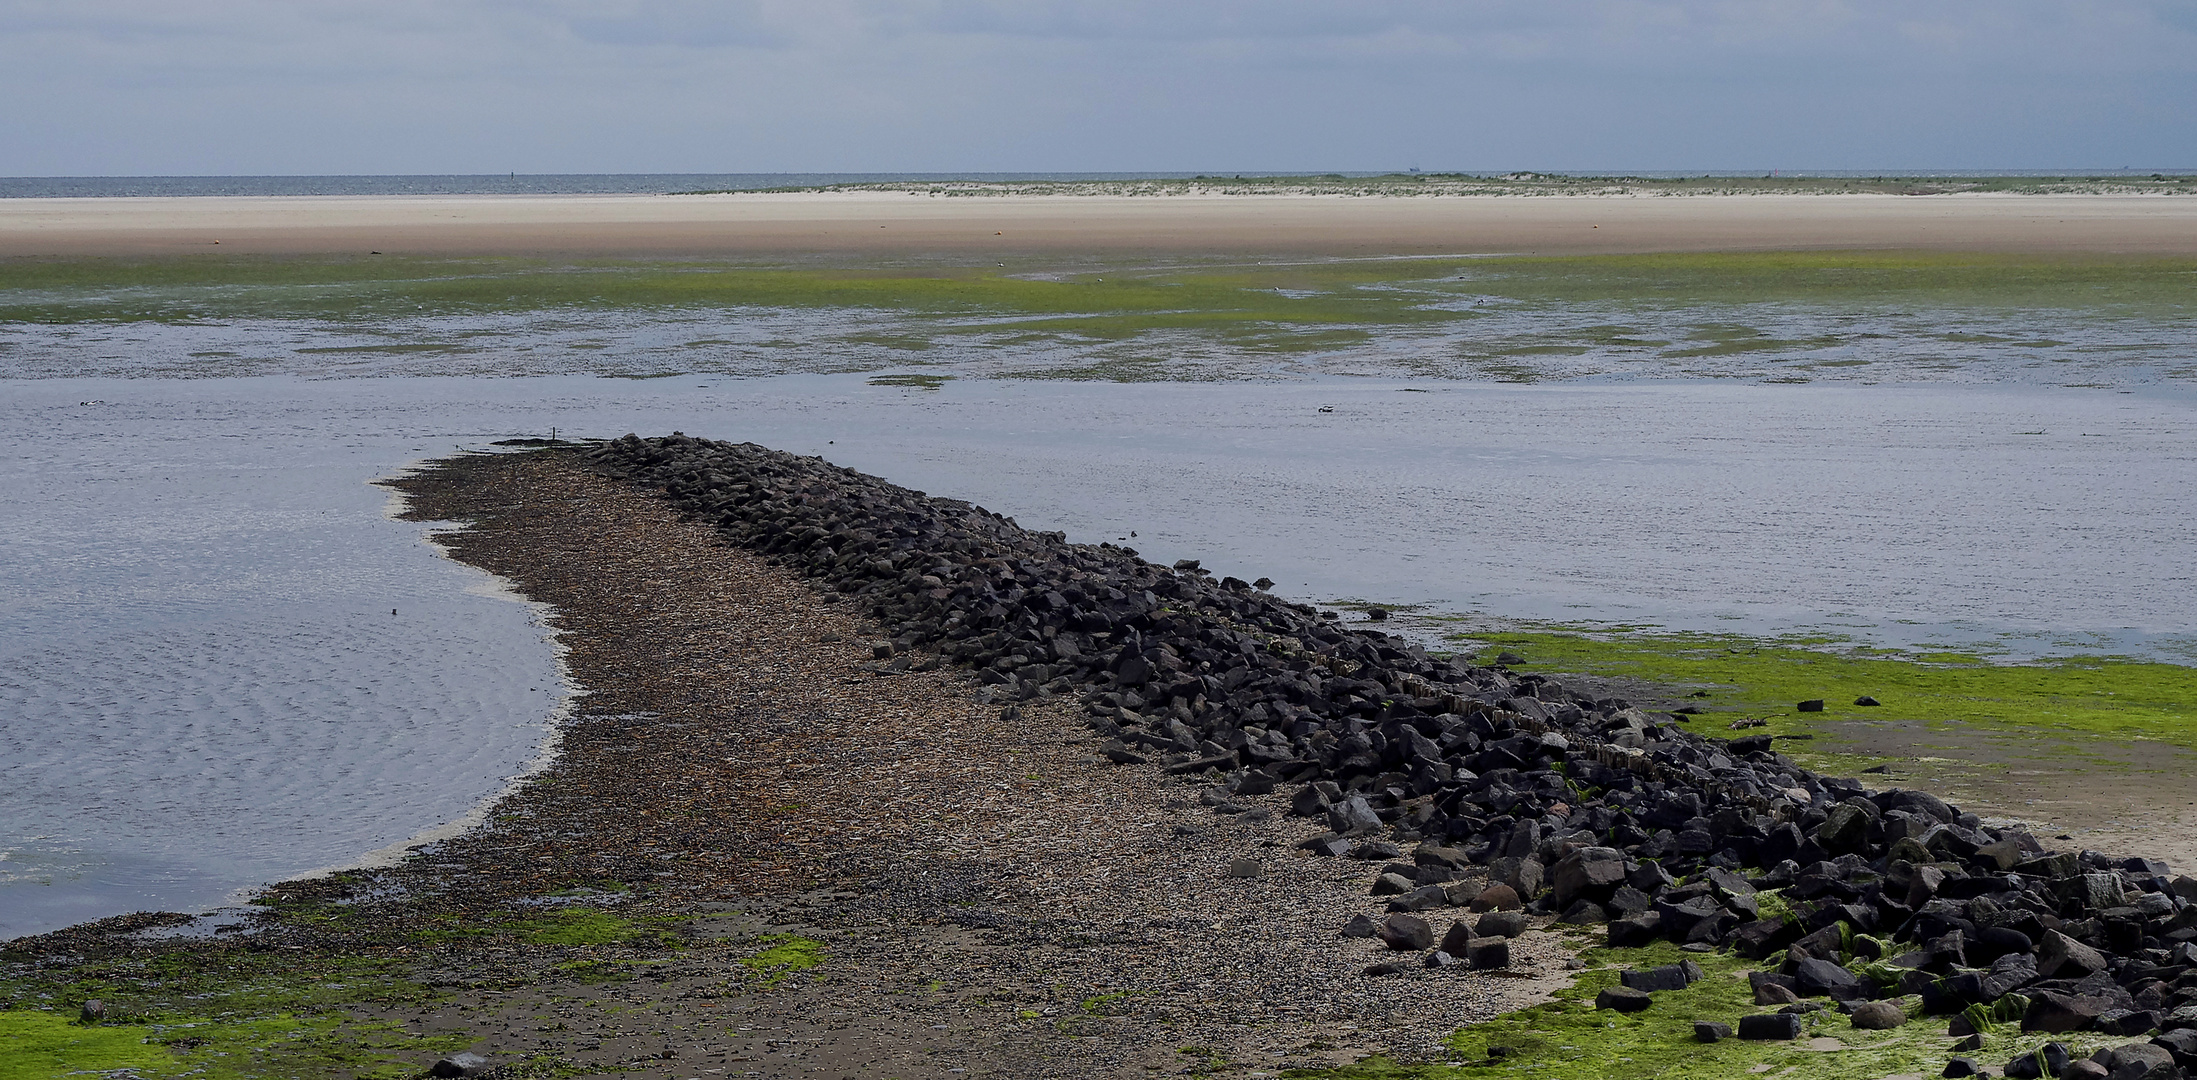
[1894,181]
[900,223]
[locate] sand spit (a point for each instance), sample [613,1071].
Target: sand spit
[892,224]
[994,898]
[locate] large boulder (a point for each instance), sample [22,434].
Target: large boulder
[1845,830]
[2053,1012]
[1822,978]
[1524,875]
[1353,817]
[1459,936]
[1667,977]
[1488,954]
[2063,957]
[1622,999]
[1878,1016]
[1781,1026]
[1590,873]
[2137,1060]
[1636,931]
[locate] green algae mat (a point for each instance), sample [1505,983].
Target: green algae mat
[1743,680]
[244,1015]
[1569,1039]
[1093,298]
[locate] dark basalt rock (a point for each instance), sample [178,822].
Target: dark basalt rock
[1622,999]
[1396,749]
[1771,1026]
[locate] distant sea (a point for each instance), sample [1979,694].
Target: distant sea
[82,187]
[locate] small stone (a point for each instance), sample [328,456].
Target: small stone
[1710,1031]
[459,1064]
[1867,702]
[1440,959]
[2084,1069]
[1393,885]
[1423,898]
[93,1011]
[1811,705]
[1361,926]
[1504,924]
[1121,755]
[1496,898]
[1391,967]
[1245,868]
[1326,846]
[1622,999]
[1959,1066]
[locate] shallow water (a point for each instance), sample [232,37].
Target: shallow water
[201,686]
[1495,339]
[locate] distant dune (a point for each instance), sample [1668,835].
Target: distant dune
[884,222]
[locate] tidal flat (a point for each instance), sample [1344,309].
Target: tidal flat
[1845,317]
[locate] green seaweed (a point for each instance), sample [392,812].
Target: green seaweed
[216,1015]
[1106,304]
[1740,677]
[39,1045]
[2126,284]
[783,955]
[1569,1039]
[587,926]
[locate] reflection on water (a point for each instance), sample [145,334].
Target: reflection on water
[202,685]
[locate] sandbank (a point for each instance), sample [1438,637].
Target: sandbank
[882,223]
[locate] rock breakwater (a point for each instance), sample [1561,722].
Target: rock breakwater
[1587,809]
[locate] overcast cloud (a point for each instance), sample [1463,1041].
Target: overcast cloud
[419,86]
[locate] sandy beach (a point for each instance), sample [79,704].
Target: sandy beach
[884,224]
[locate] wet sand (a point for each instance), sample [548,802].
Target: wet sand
[2137,798]
[765,224]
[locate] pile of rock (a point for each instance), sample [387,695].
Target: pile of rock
[1587,809]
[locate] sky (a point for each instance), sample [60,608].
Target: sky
[258,87]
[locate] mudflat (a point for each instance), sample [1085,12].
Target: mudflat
[884,223]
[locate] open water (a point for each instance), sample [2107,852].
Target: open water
[222,663]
